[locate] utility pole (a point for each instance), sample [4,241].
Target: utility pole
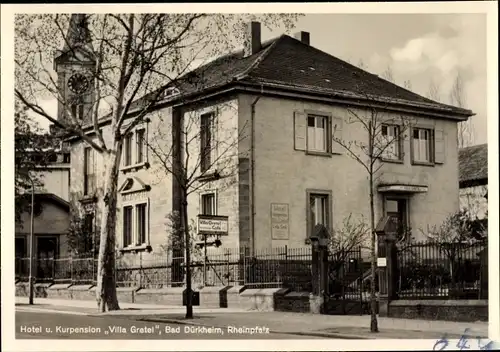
[32,244]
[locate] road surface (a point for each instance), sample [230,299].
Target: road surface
[44,325]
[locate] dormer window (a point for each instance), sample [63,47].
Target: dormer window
[169,92]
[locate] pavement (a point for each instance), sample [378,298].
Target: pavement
[282,323]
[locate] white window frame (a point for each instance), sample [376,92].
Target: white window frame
[327,210]
[314,134]
[128,142]
[135,223]
[216,200]
[392,151]
[134,147]
[419,145]
[140,147]
[89,172]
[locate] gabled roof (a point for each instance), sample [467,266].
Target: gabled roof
[473,165]
[50,197]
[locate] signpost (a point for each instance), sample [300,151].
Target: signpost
[211,225]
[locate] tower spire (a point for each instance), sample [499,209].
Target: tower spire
[78,41]
[78,32]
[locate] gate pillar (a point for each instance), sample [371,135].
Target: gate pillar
[319,242]
[386,262]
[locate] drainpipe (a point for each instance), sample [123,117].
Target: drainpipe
[252,173]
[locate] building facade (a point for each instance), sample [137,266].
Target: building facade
[262,147]
[473,180]
[51,218]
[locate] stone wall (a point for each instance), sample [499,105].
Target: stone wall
[451,310]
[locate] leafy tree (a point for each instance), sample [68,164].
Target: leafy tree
[33,149]
[135,58]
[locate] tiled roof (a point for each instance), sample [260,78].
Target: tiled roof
[473,163]
[287,62]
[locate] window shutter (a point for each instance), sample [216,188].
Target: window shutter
[439,146]
[215,140]
[300,130]
[337,127]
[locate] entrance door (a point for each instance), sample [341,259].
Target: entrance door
[397,208]
[46,252]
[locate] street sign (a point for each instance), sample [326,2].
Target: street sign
[212,225]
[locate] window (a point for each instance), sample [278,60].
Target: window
[128,150]
[141,223]
[67,158]
[208,204]
[77,111]
[391,143]
[20,247]
[422,145]
[207,125]
[88,238]
[317,133]
[319,209]
[135,224]
[141,144]
[89,178]
[127,225]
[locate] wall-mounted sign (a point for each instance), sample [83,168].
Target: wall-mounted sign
[280,229]
[213,225]
[403,188]
[381,262]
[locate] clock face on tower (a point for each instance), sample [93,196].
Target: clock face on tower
[78,83]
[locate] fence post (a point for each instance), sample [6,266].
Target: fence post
[227,260]
[71,269]
[319,240]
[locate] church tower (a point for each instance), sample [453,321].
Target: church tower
[75,68]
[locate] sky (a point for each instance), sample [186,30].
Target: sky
[420,48]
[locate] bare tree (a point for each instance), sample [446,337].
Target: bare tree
[458,98]
[206,148]
[383,136]
[131,60]
[453,237]
[388,74]
[407,84]
[351,235]
[362,65]
[434,91]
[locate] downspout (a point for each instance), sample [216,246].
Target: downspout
[252,172]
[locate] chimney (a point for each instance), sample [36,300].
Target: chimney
[304,37]
[252,40]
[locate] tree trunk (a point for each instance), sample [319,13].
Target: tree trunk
[373,298]
[187,243]
[106,282]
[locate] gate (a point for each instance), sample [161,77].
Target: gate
[345,283]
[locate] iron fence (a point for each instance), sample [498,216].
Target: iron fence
[423,270]
[278,267]
[446,271]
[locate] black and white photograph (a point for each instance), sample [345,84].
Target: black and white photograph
[302,177]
